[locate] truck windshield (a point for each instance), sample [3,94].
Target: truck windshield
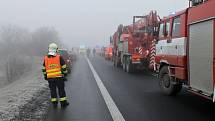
[161,28]
[176,27]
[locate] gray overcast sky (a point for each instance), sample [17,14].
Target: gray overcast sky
[78,22]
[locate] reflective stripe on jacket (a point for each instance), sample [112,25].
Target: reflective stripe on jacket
[53,66]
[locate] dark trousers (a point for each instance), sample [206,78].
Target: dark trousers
[57,84]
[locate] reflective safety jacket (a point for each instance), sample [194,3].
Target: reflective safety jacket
[54,67]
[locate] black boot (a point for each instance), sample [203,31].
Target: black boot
[64,104]
[54,104]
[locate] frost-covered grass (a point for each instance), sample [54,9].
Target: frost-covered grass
[3,79]
[25,99]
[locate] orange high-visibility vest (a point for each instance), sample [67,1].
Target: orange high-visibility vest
[53,67]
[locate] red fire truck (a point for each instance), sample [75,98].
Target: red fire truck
[185,50]
[134,45]
[109,52]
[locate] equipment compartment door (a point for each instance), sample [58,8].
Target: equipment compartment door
[201,56]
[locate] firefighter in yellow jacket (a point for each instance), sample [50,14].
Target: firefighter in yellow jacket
[55,72]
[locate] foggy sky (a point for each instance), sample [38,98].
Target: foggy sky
[88,22]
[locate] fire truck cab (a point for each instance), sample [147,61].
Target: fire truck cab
[185,50]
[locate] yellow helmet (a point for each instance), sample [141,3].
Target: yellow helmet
[53,49]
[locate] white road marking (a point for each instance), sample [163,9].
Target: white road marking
[114,111]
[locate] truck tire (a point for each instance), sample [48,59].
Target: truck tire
[116,63]
[165,82]
[129,66]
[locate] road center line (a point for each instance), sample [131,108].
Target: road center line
[114,111]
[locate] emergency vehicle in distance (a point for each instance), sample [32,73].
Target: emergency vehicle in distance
[82,50]
[185,50]
[109,52]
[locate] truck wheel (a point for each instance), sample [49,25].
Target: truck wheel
[116,63]
[129,66]
[165,82]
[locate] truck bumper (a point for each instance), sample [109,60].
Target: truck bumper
[137,62]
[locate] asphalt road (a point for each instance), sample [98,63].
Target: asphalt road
[136,96]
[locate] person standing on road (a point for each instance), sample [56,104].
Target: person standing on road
[88,52]
[94,51]
[55,72]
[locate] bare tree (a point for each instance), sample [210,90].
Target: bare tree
[18,43]
[42,37]
[14,39]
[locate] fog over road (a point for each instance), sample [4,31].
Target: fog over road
[137,97]
[79,21]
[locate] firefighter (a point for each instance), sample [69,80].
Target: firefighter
[88,52]
[55,72]
[94,51]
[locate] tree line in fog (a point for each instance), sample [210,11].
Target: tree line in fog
[19,47]
[17,40]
